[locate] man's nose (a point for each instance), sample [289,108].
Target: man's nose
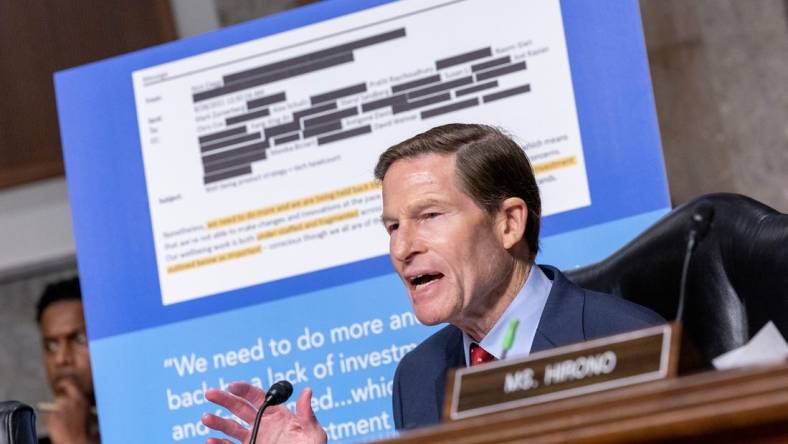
[65,353]
[405,244]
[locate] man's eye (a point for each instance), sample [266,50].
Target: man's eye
[50,346]
[392,228]
[431,215]
[81,338]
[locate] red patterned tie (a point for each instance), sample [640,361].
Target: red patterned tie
[480,355]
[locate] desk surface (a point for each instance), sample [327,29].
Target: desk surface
[717,406]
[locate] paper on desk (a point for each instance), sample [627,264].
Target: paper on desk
[766,347]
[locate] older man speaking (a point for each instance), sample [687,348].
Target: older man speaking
[462,209]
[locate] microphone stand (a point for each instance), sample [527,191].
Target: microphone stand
[690,359]
[699,224]
[278,393]
[257,419]
[684,273]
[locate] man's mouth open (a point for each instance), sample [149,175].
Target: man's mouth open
[421,281]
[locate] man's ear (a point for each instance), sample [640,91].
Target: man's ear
[511,219]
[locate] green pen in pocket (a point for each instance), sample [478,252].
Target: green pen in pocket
[508,339]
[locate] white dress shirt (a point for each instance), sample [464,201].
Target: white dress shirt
[527,307]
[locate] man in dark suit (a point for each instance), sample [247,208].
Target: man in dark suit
[462,209]
[71,418]
[571,315]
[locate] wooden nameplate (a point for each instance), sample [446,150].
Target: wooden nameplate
[572,370]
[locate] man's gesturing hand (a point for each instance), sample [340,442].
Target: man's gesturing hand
[278,425]
[68,424]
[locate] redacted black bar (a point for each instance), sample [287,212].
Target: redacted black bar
[322,129]
[440,87]
[265,101]
[507,93]
[248,116]
[339,93]
[463,58]
[284,74]
[234,162]
[227,174]
[246,149]
[508,69]
[344,134]
[382,103]
[476,88]
[314,110]
[402,107]
[325,118]
[228,142]
[415,83]
[308,58]
[491,63]
[282,129]
[222,134]
[286,139]
[449,108]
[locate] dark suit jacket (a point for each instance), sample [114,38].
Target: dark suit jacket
[571,314]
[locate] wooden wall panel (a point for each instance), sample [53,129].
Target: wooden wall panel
[39,37]
[231,12]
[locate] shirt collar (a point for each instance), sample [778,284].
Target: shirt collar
[527,307]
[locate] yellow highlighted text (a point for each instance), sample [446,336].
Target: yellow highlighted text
[562,162]
[294,204]
[313,223]
[215,259]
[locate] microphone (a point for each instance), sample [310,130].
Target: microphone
[699,224]
[278,393]
[701,219]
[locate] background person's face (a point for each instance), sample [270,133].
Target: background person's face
[442,243]
[65,346]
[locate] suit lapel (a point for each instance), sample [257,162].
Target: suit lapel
[561,324]
[455,357]
[562,319]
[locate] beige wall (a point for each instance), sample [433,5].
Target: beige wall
[720,75]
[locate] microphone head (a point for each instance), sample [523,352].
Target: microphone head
[701,218]
[279,392]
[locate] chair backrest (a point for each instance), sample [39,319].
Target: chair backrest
[17,423]
[738,275]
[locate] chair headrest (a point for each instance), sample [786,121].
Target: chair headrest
[738,276]
[17,423]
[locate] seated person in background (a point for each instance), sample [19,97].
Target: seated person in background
[462,208]
[71,418]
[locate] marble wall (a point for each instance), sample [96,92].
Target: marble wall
[720,75]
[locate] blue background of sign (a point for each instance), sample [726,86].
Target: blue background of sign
[126,320]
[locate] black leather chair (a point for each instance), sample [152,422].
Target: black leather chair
[737,278]
[17,423]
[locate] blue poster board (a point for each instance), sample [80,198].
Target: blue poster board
[137,126]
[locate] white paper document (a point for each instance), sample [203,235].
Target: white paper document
[258,157]
[767,347]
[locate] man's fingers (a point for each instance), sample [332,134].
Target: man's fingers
[69,400]
[253,394]
[226,426]
[304,411]
[306,417]
[237,405]
[68,387]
